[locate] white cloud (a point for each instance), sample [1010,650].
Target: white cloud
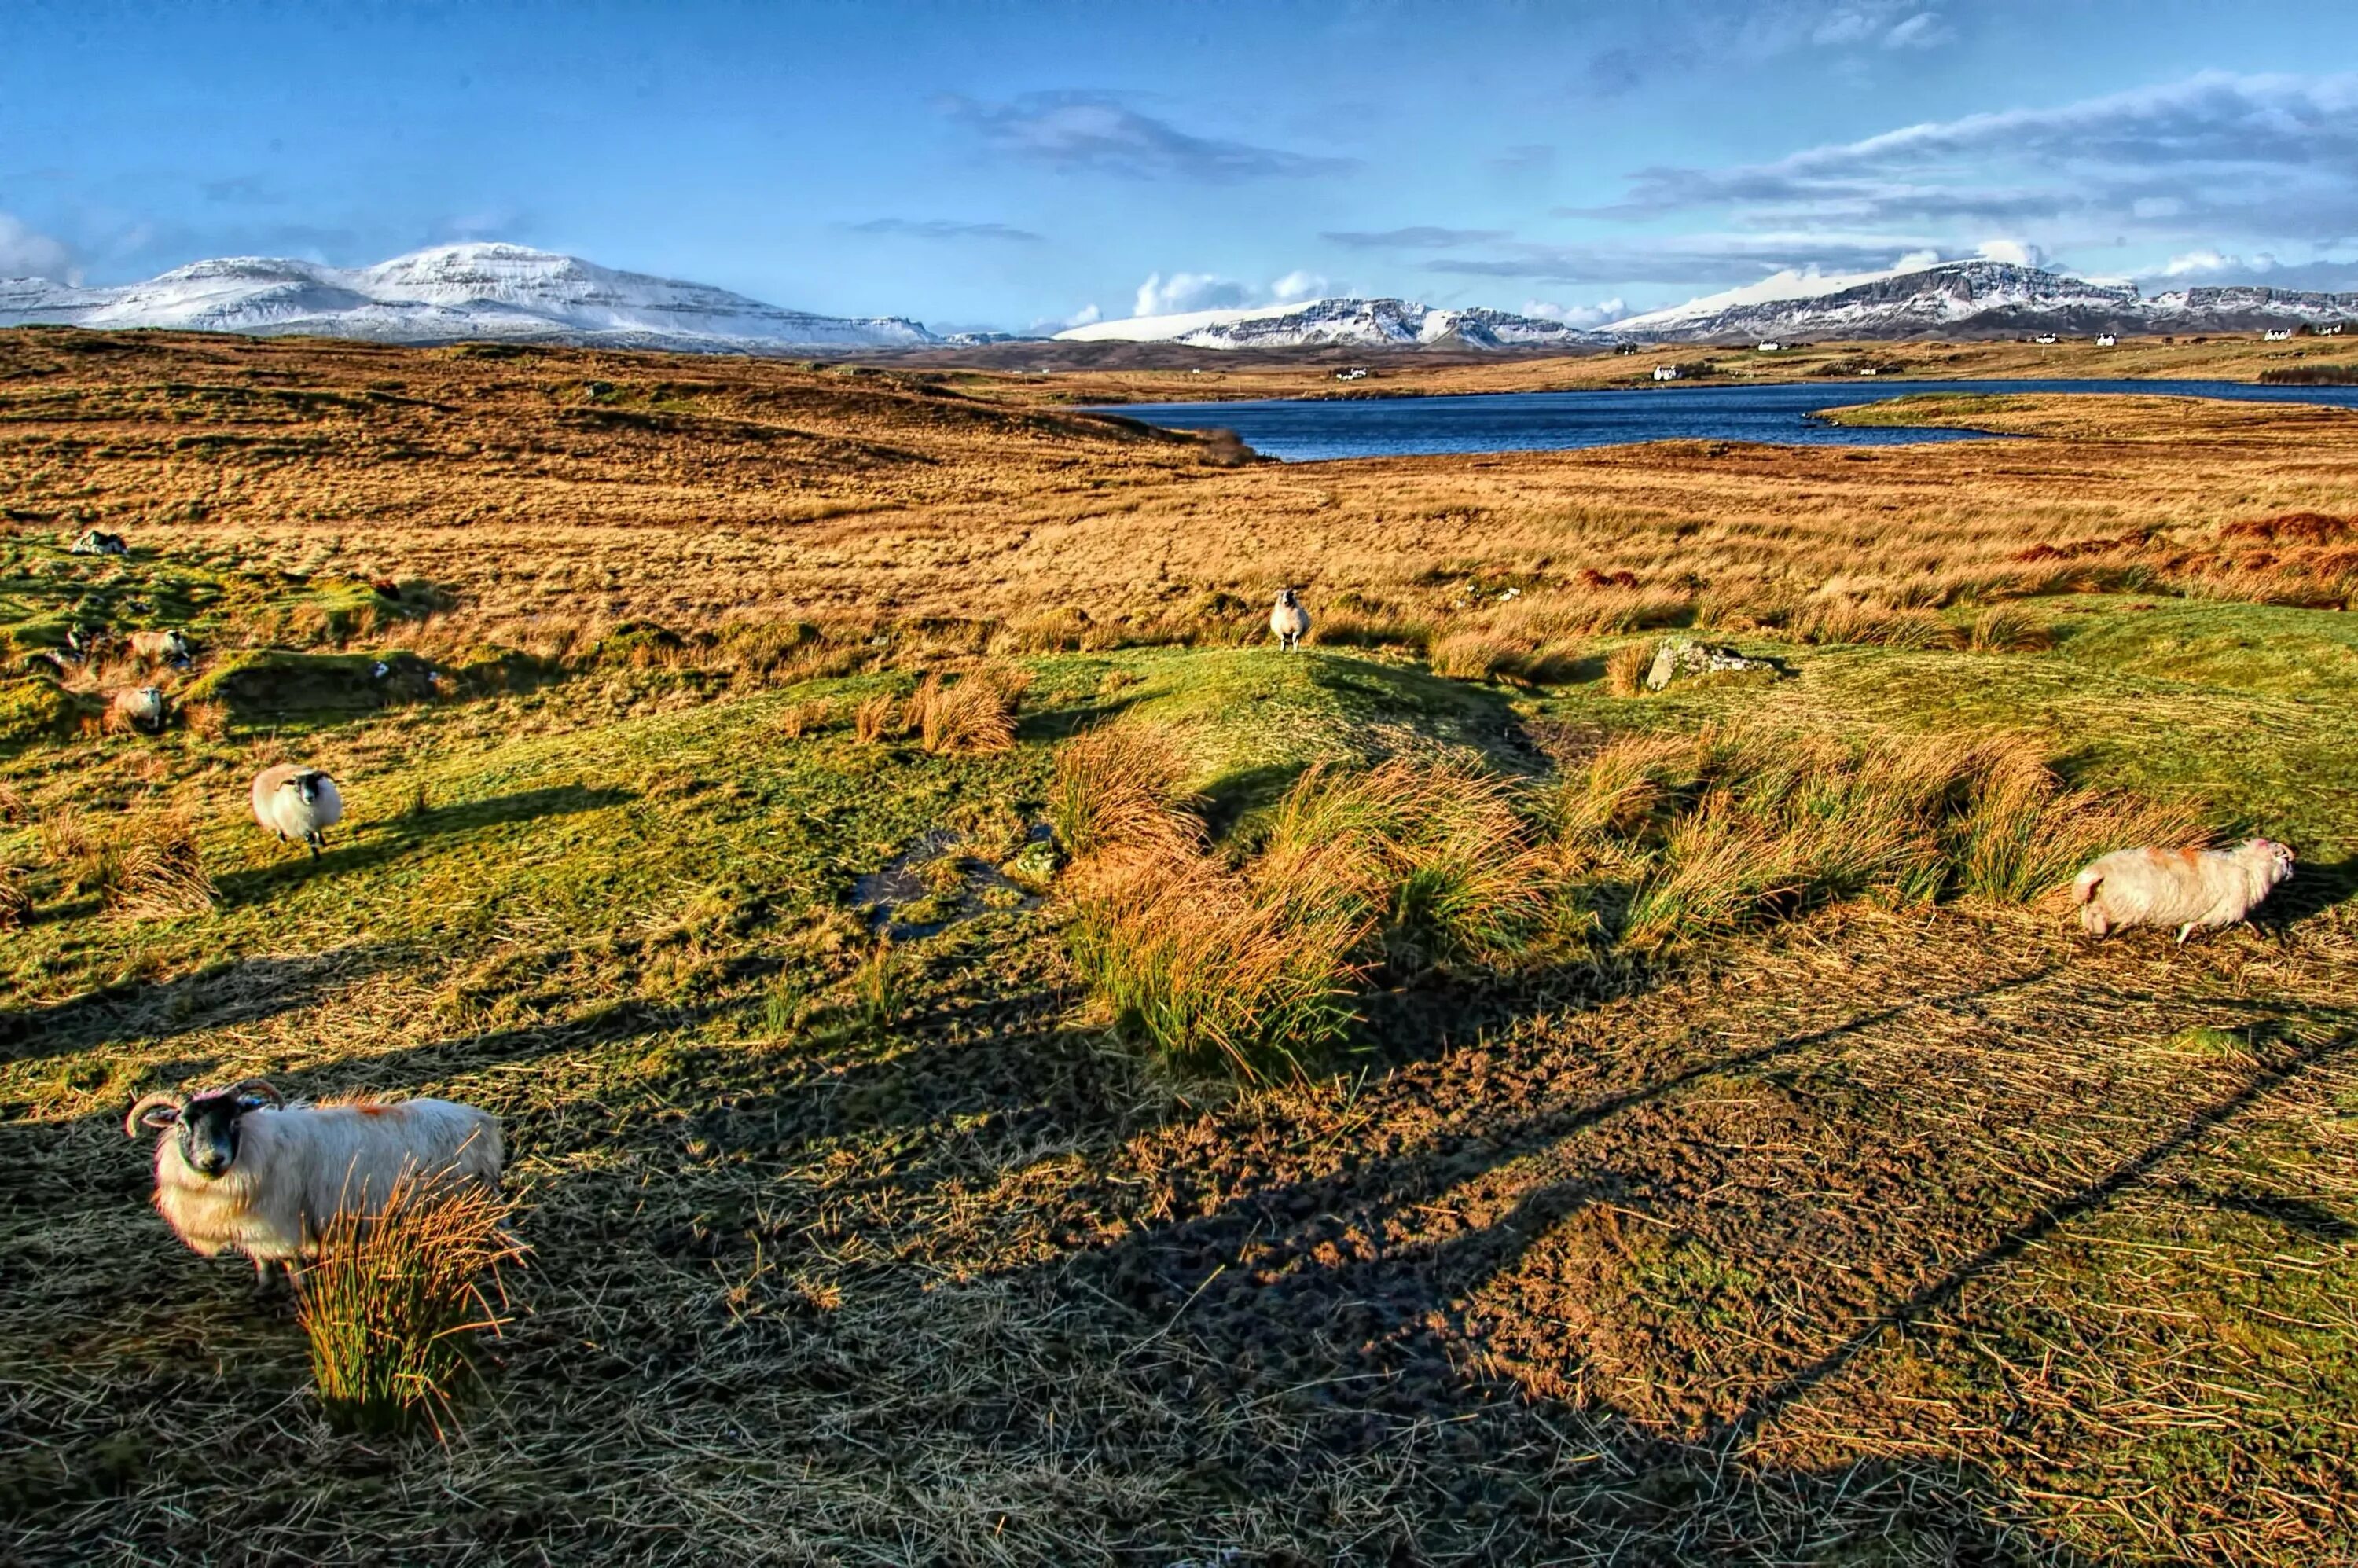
[1084,316]
[25,253]
[1181,293]
[2014,253]
[1923,31]
[1297,285]
[1576,315]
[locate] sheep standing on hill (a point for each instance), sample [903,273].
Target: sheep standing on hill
[1288,620]
[296,803]
[162,648]
[241,1169]
[2194,890]
[140,707]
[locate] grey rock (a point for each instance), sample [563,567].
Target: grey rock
[1682,657]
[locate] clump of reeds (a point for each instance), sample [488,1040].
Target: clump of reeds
[878,718]
[157,873]
[1121,785]
[15,899]
[74,850]
[2008,628]
[1729,829]
[1626,669]
[391,1299]
[973,715]
[207,721]
[800,718]
[1408,867]
[1476,655]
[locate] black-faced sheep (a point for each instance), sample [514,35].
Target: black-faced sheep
[2194,890]
[162,648]
[1289,621]
[296,803]
[241,1170]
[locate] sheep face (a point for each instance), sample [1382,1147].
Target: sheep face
[206,1127]
[1288,599]
[306,785]
[2279,859]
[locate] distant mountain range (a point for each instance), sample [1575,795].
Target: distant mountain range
[511,293]
[1342,323]
[449,294]
[1974,299]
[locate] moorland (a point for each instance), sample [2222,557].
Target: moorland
[1002,1065]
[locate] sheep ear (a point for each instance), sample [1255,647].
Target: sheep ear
[159,1118]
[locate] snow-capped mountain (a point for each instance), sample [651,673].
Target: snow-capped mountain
[451,293]
[1339,323]
[1970,298]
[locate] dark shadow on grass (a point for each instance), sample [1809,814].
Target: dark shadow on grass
[384,841]
[242,990]
[2040,1224]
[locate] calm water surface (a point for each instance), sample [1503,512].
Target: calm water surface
[1306,431]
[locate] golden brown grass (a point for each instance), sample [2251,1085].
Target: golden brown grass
[973,715]
[1626,669]
[15,899]
[753,514]
[391,1302]
[878,718]
[1119,788]
[154,871]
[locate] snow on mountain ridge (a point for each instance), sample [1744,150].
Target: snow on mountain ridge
[448,293]
[1337,323]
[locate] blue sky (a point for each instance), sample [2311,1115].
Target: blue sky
[1019,165]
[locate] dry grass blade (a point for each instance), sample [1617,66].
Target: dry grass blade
[15,900]
[877,718]
[389,1303]
[1626,669]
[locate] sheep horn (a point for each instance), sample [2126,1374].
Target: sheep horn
[147,1103]
[260,1087]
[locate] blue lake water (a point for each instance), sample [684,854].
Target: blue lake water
[1310,430]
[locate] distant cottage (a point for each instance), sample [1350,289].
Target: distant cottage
[1666,372]
[2106,339]
[1352,373]
[2332,331]
[2044,338]
[2276,335]
[1772,347]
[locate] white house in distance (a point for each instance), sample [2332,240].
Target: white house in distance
[2276,335]
[1666,372]
[2334,330]
[1352,373]
[2044,338]
[2106,339]
[1772,346]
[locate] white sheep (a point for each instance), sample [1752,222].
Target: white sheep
[94,543]
[1288,620]
[239,1169]
[296,803]
[2194,890]
[141,708]
[162,648]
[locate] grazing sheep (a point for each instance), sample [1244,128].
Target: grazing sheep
[2194,890]
[162,648]
[296,803]
[1288,620]
[141,708]
[94,543]
[240,1168]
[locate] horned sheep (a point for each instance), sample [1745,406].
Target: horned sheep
[296,803]
[239,1169]
[1289,621]
[2194,890]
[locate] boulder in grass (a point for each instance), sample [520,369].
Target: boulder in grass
[1682,658]
[95,543]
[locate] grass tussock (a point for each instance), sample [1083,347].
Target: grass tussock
[972,715]
[1626,669]
[2009,629]
[1407,868]
[156,871]
[878,718]
[1732,829]
[15,899]
[1119,787]
[390,1303]
[1476,655]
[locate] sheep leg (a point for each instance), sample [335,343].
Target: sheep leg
[2184,932]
